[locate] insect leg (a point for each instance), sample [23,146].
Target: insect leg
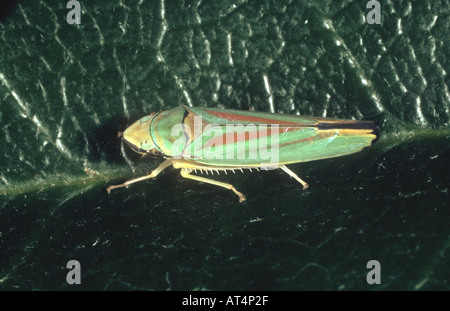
[186,174]
[153,174]
[292,174]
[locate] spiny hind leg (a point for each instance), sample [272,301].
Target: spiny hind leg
[292,174]
[186,174]
[153,174]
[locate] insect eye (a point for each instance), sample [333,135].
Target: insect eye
[154,152]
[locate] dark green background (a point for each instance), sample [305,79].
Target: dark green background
[66,91]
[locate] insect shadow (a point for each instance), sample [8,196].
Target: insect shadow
[104,141]
[6,8]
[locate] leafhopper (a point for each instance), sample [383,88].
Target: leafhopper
[208,140]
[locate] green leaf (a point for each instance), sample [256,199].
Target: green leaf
[66,90]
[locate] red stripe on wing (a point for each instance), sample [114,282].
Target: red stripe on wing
[238,117]
[245,136]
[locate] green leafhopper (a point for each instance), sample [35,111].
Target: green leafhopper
[215,140]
